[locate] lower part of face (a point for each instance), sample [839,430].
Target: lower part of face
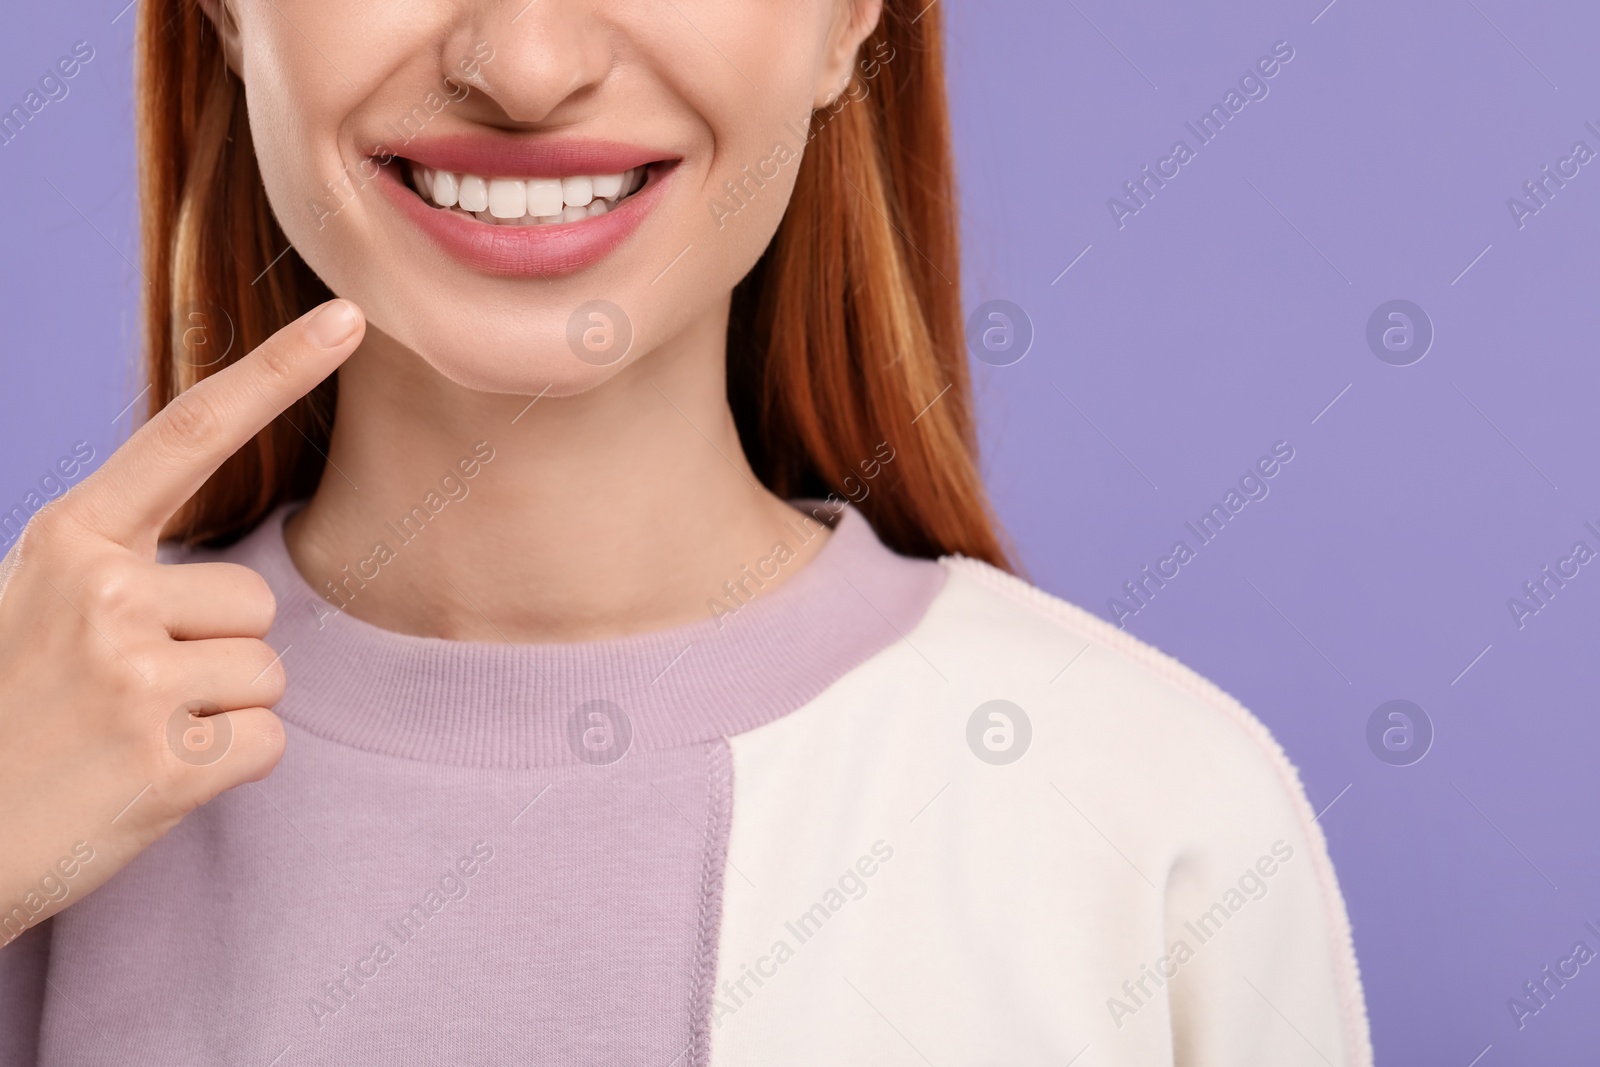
[531,195]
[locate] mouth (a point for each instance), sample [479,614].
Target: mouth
[518,208]
[524,201]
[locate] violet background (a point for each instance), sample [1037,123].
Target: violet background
[1223,317]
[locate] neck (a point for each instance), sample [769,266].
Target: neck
[620,510]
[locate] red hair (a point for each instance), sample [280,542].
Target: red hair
[847,335]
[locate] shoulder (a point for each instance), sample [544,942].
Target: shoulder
[1069,762]
[1075,662]
[1168,764]
[1088,704]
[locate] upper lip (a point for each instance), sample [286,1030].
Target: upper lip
[507,155]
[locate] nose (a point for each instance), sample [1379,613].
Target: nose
[542,56]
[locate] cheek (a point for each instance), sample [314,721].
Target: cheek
[758,139]
[299,107]
[760,135]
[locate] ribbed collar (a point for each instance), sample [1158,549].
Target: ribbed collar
[512,705]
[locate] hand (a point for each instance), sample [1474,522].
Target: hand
[102,649]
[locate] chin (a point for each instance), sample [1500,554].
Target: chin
[528,357]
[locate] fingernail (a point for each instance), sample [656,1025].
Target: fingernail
[333,324]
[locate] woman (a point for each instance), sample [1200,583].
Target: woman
[616,661]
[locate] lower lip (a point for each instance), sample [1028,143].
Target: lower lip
[525,251]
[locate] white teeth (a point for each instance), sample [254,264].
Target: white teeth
[444,188]
[525,201]
[577,192]
[508,198]
[474,193]
[544,196]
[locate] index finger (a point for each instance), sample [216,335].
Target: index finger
[142,484]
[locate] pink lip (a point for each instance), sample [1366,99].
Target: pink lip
[526,251]
[500,156]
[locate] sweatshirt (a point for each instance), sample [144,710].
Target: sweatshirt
[892,811]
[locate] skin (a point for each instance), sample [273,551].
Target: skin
[628,503]
[619,502]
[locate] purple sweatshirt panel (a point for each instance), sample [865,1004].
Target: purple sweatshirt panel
[470,853]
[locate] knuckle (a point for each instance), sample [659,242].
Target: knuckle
[49,526]
[35,538]
[275,365]
[257,598]
[109,589]
[46,521]
[247,601]
[269,675]
[273,740]
[188,422]
[268,742]
[156,671]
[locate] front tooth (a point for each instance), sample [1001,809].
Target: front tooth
[573,214]
[445,188]
[577,191]
[544,196]
[598,207]
[473,194]
[547,220]
[606,186]
[508,198]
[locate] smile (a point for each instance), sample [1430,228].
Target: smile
[524,201]
[520,207]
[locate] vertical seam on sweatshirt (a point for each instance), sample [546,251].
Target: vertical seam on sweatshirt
[719,810]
